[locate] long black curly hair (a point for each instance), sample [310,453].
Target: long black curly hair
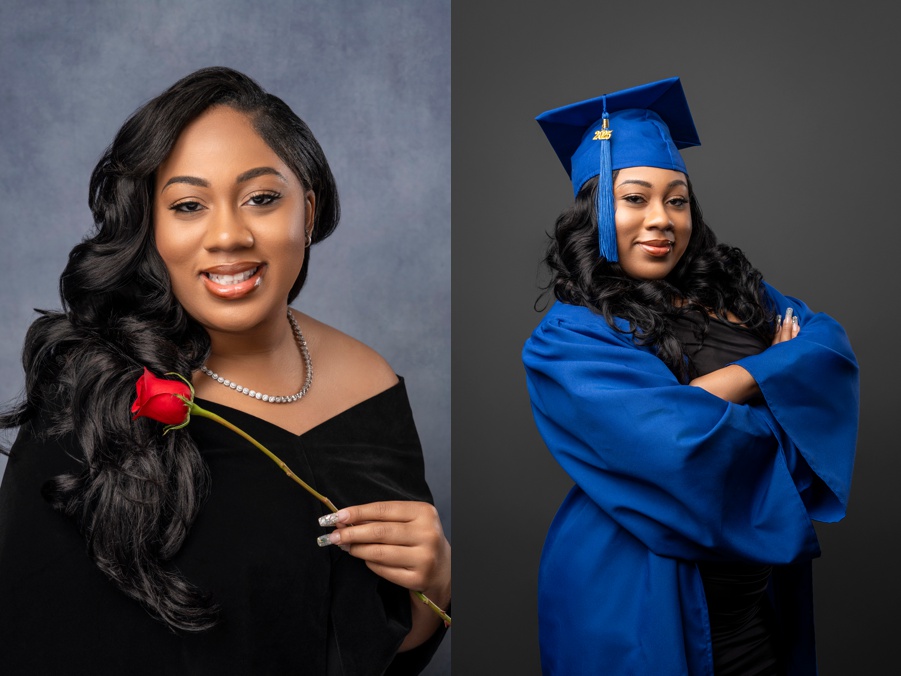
[138,492]
[709,278]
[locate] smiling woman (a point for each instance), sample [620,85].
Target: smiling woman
[206,206]
[653,221]
[704,432]
[221,192]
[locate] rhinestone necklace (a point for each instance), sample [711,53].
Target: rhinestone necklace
[307,363]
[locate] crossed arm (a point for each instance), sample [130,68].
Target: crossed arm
[733,383]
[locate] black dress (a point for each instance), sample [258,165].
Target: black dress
[743,628]
[287,605]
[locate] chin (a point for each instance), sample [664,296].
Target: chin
[646,272]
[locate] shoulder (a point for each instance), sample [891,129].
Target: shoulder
[346,364]
[772,296]
[576,346]
[567,324]
[779,303]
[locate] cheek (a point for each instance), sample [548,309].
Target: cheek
[686,231]
[625,223]
[292,233]
[168,246]
[174,248]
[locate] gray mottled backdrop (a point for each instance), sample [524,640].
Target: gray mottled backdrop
[797,108]
[372,79]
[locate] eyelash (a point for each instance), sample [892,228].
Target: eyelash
[182,207]
[638,199]
[271,198]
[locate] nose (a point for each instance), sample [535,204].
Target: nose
[658,217]
[227,231]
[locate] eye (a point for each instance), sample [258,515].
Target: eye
[187,207]
[633,199]
[678,201]
[263,199]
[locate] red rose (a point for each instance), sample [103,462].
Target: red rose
[158,399]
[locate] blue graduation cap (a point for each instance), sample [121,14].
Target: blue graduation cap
[644,126]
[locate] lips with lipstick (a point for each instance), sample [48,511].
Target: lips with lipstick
[233,280]
[658,248]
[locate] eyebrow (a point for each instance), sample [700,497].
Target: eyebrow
[190,180]
[671,184]
[246,176]
[259,171]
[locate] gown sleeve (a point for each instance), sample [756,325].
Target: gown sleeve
[812,390]
[691,475]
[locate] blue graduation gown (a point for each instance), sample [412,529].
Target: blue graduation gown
[667,475]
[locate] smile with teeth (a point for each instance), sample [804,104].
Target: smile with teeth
[226,280]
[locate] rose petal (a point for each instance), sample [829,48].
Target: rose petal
[158,399]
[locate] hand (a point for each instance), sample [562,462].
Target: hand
[787,328]
[401,541]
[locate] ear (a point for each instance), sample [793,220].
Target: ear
[309,211]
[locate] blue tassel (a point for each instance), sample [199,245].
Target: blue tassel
[605,212]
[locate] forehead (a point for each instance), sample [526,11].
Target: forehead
[652,175]
[220,142]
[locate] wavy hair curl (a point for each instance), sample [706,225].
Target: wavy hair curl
[139,492]
[709,278]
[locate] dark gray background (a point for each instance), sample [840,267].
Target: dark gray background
[372,79]
[795,104]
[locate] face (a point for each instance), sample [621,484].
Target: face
[230,221]
[653,220]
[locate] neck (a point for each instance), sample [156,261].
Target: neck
[271,337]
[267,353]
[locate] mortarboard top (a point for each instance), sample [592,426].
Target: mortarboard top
[648,125]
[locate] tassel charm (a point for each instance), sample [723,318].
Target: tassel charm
[605,211]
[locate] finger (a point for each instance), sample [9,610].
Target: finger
[403,577]
[385,532]
[787,325]
[784,327]
[392,510]
[393,556]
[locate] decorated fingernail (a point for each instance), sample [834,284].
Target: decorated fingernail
[332,538]
[795,321]
[341,516]
[788,314]
[328,520]
[778,320]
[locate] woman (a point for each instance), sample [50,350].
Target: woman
[704,417]
[201,556]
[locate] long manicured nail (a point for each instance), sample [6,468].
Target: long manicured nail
[778,320]
[340,516]
[332,538]
[795,321]
[328,519]
[788,314]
